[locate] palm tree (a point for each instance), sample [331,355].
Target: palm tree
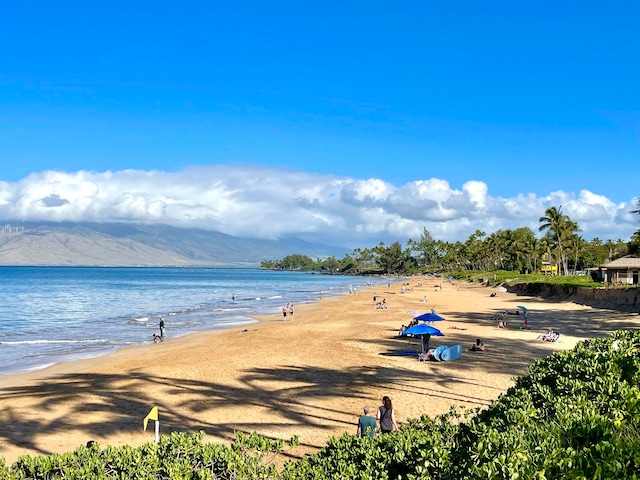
[559,228]
[576,245]
[542,251]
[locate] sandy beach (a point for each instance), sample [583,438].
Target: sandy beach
[309,376]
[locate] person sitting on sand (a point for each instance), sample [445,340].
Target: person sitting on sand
[478,346]
[427,356]
[550,336]
[402,329]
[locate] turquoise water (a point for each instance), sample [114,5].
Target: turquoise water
[54,314]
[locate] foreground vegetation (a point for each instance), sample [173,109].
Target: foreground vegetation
[560,248]
[575,415]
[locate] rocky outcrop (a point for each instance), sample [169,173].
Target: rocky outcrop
[622,299]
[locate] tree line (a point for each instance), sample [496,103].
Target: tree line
[520,249]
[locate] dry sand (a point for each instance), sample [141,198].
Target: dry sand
[308,377]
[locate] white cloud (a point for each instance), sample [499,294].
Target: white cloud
[257,201]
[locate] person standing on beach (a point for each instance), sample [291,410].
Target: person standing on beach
[386,417]
[159,338]
[425,342]
[291,311]
[284,312]
[366,424]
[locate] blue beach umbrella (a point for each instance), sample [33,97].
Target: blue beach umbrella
[429,317]
[423,329]
[524,309]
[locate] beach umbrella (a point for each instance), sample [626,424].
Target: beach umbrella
[423,329]
[413,313]
[524,309]
[429,317]
[425,332]
[502,289]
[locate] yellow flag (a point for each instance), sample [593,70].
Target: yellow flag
[153,415]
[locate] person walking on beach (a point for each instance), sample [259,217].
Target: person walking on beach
[291,311]
[366,424]
[386,417]
[284,312]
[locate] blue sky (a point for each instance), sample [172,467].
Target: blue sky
[522,104]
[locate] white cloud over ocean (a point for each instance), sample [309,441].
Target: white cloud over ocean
[266,202]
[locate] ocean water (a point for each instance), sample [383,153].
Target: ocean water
[54,314]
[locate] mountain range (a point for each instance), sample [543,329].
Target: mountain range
[76,244]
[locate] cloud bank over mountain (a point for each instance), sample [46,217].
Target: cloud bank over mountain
[266,202]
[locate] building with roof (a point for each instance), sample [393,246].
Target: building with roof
[623,270]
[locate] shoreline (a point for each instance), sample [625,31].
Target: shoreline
[123,328]
[96,356]
[308,377]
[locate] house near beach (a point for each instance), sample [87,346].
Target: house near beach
[625,271]
[548,268]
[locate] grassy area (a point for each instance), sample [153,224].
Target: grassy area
[503,277]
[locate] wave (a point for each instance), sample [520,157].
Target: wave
[193,309]
[49,342]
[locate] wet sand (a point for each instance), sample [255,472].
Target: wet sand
[309,377]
